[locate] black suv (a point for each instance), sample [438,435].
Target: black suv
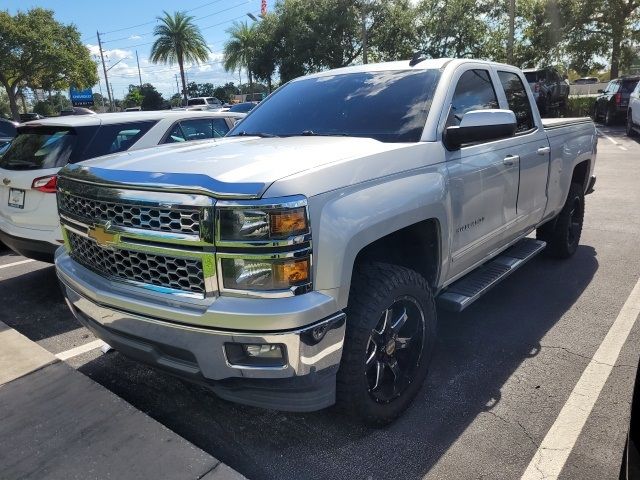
[612,102]
[549,89]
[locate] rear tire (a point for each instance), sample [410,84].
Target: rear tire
[562,234]
[390,337]
[609,118]
[630,131]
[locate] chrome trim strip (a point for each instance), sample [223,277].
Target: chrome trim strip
[157,181]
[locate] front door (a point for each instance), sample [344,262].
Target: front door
[483,179]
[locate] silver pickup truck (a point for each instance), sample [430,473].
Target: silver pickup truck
[298,262]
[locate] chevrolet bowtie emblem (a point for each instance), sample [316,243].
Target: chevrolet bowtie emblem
[102,236]
[6,181]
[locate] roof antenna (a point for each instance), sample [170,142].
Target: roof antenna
[417,58]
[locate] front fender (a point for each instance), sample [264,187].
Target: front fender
[347,220]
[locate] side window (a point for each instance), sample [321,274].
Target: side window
[198,129]
[175,135]
[116,138]
[473,92]
[517,100]
[220,127]
[612,87]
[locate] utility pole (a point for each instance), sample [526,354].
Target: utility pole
[114,98]
[512,27]
[139,76]
[104,68]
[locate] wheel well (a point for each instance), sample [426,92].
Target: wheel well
[581,174]
[416,247]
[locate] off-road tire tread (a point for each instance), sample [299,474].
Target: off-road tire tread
[554,231]
[370,282]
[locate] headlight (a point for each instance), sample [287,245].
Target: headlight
[264,246]
[264,274]
[251,223]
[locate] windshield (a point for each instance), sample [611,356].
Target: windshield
[389,106]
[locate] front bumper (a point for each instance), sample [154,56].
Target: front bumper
[305,382]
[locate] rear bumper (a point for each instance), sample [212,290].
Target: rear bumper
[30,248]
[303,381]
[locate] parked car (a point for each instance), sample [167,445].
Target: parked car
[612,103]
[28,117]
[586,81]
[550,90]
[204,103]
[296,263]
[244,107]
[633,112]
[28,169]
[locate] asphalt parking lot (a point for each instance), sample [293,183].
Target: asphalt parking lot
[502,372]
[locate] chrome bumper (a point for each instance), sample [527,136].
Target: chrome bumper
[304,382]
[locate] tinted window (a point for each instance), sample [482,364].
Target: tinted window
[473,92]
[533,77]
[196,101]
[41,147]
[389,106]
[517,100]
[116,138]
[7,129]
[242,107]
[198,129]
[627,86]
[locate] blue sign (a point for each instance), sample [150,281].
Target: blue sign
[81,98]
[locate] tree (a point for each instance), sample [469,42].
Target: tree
[263,60]
[151,98]
[226,92]
[134,97]
[238,51]
[392,32]
[53,105]
[178,40]
[38,52]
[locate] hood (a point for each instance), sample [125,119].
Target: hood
[231,167]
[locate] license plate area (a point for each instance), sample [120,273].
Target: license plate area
[16,197]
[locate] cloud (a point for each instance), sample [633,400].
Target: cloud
[135,37]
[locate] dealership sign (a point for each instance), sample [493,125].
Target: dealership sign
[81,98]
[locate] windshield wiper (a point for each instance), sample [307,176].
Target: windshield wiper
[311,133]
[244,133]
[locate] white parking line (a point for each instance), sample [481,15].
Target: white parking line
[612,140]
[15,264]
[74,352]
[554,450]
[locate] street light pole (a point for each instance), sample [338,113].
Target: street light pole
[104,68]
[139,75]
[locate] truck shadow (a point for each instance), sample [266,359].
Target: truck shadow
[477,353]
[32,304]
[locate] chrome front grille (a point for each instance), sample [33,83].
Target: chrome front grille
[158,270]
[185,220]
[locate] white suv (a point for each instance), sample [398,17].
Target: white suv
[633,112]
[28,212]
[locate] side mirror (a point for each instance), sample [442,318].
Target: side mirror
[481,126]
[600,90]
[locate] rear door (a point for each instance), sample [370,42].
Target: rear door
[533,151]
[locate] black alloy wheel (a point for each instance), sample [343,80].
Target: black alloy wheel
[395,350]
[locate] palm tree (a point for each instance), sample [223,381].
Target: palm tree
[178,40]
[238,51]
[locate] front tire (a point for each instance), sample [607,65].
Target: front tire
[389,341]
[562,234]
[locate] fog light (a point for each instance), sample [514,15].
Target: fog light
[263,351]
[255,355]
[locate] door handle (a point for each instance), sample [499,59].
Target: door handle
[544,150]
[510,160]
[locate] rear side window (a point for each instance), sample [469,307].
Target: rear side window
[533,77]
[612,87]
[473,92]
[627,86]
[517,100]
[198,129]
[196,101]
[116,138]
[39,147]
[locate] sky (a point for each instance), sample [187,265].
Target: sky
[126,27]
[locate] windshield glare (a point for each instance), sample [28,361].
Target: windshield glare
[389,106]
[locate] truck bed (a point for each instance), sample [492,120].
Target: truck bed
[551,123]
